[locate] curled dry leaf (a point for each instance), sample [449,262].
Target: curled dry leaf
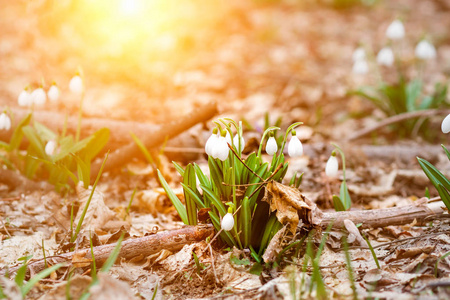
[98,214]
[291,206]
[275,246]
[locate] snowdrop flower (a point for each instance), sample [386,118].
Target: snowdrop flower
[236,142]
[445,126]
[385,57]
[271,145]
[396,30]
[228,138]
[25,98]
[360,67]
[211,142]
[332,166]
[425,50]
[359,54]
[5,122]
[295,147]
[76,85]
[39,96]
[227,222]
[53,93]
[220,148]
[50,147]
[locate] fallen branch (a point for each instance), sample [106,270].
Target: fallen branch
[397,119]
[172,241]
[14,179]
[151,140]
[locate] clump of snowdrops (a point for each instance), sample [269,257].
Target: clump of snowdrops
[233,192]
[405,94]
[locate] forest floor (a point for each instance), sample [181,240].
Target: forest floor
[260,62]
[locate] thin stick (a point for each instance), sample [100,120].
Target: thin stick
[396,119]
[240,159]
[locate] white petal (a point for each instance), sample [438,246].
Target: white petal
[295,147]
[271,146]
[222,149]
[360,67]
[210,143]
[227,222]
[236,142]
[24,98]
[332,166]
[39,96]
[228,138]
[359,54]
[76,85]
[385,57]
[53,93]
[50,147]
[5,122]
[425,50]
[445,126]
[396,30]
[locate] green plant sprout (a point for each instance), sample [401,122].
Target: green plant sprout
[440,182]
[235,181]
[343,201]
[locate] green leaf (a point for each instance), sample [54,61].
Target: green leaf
[143,149]
[178,168]
[190,181]
[434,174]
[35,279]
[338,205]
[446,152]
[35,141]
[215,200]
[445,197]
[246,221]
[175,201]
[17,136]
[413,90]
[345,196]
[113,256]
[194,196]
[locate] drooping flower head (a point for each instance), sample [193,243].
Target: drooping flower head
[331,169]
[385,57]
[39,96]
[360,67]
[50,147]
[25,98]
[227,222]
[5,122]
[396,30]
[220,148]
[76,85]
[236,141]
[359,54]
[211,141]
[445,126]
[295,147]
[53,93]
[425,50]
[271,145]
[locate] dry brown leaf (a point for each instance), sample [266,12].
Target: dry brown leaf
[77,286]
[80,261]
[110,288]
[290,205]
[275,246]
[98,214]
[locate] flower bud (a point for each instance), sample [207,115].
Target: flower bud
[445,126]
[39,96]
[50,147]
[425,50]
[396,30]
[385,57]
[236,142]
[360,67]
[76,85]
[271,146]
[25,98]
[5,121]
[295,147]
[332,166]
[211,142]
[220,148]
[227,222]
[53,93]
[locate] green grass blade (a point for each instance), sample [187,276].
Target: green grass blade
[178,168]
[345,196]
[175,201]
[113,256]
[215,200]
[17,136]
[194,196]
[35,279]
[190,181]
[434,174]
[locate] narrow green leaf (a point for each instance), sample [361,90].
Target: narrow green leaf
[190,181]
[178,168]
[35,279]
[113,256]
[338,205]
[345,196]
[434,174]
[214,199]
[175,201]
[446,151]
[17,136]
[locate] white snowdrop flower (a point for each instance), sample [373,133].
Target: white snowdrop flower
[332,166]
[236,142]
[76,85]
[211,142]
[360,67]
[227,222]
[396,30]
[39,96]
[5,122]
[220,148]
[359,54]
[53,93]
[271,146]
[295,147]
[385,57]
[425,50]
[50,147]
[228,138]
[445,126]
[25,98]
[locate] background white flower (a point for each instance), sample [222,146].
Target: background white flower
[396,30]
[50,147]
[53,93]
[25,98]
[5,122]
[360,67]
[76,85]
[425,50]
[295,147]
[236,142]
[385,57]
[39,96]
[331,169]
[271,146]
[359,54]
